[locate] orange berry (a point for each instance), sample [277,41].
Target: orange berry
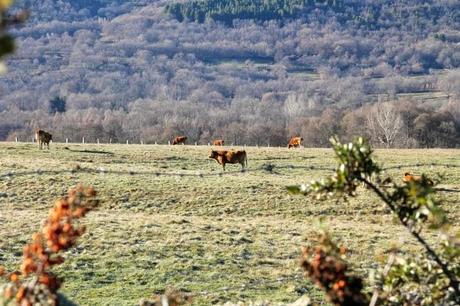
[14,277]
[63,241]
[20,294]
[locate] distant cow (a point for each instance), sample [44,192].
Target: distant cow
[218,142]
[295,142]
[230,157]
[43,137]
[179,139]
[408,177]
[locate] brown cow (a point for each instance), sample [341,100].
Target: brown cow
[295,142]
[408,177]
[179,139]
[43,137]
[230,157]
[218,142]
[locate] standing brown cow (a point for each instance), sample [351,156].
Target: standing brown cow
[43,137]
[295,142]
[230,157]
[218,142]
[179,139]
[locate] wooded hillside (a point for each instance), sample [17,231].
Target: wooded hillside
[130,69]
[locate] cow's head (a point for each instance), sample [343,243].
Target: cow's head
[213,154]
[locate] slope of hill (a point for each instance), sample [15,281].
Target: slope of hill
[112,58]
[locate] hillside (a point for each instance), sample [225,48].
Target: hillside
[129,69]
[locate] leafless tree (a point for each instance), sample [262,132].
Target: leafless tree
[385,124]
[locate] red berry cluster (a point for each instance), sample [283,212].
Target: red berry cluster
[325,267]
[35,283]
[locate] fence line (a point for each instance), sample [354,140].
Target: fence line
[98,141]
[268,168]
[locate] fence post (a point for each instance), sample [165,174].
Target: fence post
[196,143]
[97,140]
[169,143]
[83,140]
[155,142]
[142,142]
[127,141]
[67,140]
[110,140]
[16,139]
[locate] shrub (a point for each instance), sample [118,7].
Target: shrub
[35,283]
[431,278]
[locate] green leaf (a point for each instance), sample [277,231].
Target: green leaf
[294,189]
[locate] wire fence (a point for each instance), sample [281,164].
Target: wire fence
[267,168]
[97,141]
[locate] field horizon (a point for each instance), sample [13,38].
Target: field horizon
[169,218]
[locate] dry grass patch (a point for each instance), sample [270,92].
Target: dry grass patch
[232,237]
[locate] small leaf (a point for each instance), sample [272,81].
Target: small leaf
[294,189]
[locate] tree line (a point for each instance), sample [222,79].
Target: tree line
[228,10]
[366,14]
[387,124]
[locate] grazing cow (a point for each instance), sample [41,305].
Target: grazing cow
[179,139]
[43,137]
[408,177]
[295,142]
[218,142]
[230,157]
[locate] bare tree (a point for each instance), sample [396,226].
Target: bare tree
[293,107]
[385,124]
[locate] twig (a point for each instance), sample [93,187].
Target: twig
[454,283]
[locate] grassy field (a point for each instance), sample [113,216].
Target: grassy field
[235,237]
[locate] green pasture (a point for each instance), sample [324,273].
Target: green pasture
[233,237]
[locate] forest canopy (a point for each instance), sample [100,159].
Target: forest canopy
[369,14]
